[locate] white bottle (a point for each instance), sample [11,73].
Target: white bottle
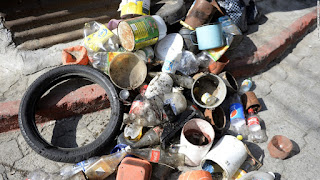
[208,99]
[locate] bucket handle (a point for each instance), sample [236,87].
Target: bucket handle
[191,38]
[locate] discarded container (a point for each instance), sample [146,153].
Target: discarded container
[133,8]
[200,13]
[217,119]
[195,175]
[230,81]
[196,139]
[176,100]
[209,36]
[215,67]
[75,55]
[127,71]
[138,32]
[280,147]
[188,39]
[237,119]
[169,45]
[227,154]
[208,83]
[161,84]
[134,168]
[257,134]
[133,132]
[113,24]
[102,60]
[151,137]
[250,100]
[245,85]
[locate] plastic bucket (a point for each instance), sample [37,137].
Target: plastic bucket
[127,71]
[170,46]
[229,153]
[208,83]
[196,139]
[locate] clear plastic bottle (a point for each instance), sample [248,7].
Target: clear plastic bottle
[256,134]
[237,119]
[245,86]
[151,137]
[68,171]
[105,165]
[159,156]
[188,63]
[42,175]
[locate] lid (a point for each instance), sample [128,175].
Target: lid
[162,27]
[169,46]
[250,110]
[126,36]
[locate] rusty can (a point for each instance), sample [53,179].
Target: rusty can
[200,13]
[139,32]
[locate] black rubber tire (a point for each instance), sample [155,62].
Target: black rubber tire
[45,82]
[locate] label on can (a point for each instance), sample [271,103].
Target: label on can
[140,7]
[236,111]
[145,31]
[155,155]
[253,120]
[96,40]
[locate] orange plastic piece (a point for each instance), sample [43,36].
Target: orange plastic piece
[75,55]
[134,169]
[195,175]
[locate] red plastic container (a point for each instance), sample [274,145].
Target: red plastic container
[134,169]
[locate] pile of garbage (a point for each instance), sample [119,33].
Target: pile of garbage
[188,111]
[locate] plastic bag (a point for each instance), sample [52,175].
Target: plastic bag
[98,38]
[188,63]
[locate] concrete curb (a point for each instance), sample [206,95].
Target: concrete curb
[248,66]
[85,100]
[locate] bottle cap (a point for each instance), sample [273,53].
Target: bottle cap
[240,137]
[250,110]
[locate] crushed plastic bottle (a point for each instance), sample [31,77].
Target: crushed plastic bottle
[256,134]
[151,137]
[133,132]
[161,84]
[188,63]
[68,171]
[176,100]
[106,165]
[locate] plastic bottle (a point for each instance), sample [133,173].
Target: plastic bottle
[161,84]
[159,156]
[237,119]
[151,137]
[244,168]
[68,171]
[105,165]
[42,175]
[208,99]
[146,112]
[188,63]
[256,134]
[245,86]
[204,59]
[97,37]
[257,175]
[176,100]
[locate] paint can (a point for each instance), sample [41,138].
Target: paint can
[133,8]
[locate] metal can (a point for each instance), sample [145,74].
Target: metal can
[131,8]
[136,33]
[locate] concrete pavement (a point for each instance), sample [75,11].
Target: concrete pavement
[288,89]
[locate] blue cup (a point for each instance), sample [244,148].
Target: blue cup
[209,36]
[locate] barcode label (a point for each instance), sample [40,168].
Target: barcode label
[133,27]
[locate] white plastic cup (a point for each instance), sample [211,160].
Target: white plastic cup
[229,153]
[195,153]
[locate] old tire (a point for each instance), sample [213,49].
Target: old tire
[27,111]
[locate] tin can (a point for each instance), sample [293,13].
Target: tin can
[132,8]
[136,33]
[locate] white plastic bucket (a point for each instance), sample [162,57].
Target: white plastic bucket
[161,26]
[195,153]
[170,46]
[229,153]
